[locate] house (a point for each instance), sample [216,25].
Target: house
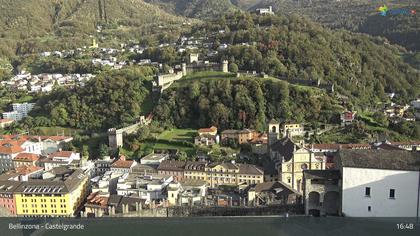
[25,159]
[272,193]
[103,165]
[347,117]
[206,140]
[259,144]
[154,158]
[174,168]
[186,192]
[291,130]
[379,183]
[27,172]
[96,205]
[60,158]
[265,11]
[8,150]
[7,200]
[122,165]
[20,111]
[6,122]
[207,131]
[147,187]
[239,136]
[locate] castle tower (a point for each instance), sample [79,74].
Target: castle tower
[273,132]
[225,67]
[193,58]
[184,69]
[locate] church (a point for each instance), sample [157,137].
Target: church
[291,158]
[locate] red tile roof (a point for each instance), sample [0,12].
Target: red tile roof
[26,157]
[25,170]
[66,154]
[10,147]
[6,120]
[122,164]
[208,130]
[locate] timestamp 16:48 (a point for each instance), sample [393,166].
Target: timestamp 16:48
[405,226]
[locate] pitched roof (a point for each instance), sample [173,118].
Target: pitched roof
[276,186]
[379,159]
[249,169]
[286,147]
[10,147]
[171,165]
[121,163]
[66,154]
[23,156]
[321,174]
[25,170]
[207,130]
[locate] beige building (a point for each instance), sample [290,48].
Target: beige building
[291,158]
[214,174]
[292,130]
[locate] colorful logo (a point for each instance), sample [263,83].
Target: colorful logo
[385,11]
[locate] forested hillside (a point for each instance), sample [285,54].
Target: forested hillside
[243,103]
[356,15]
[70,20]
[195,8]
[111,99]
[360,66]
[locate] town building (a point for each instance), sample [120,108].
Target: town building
[147,187]
[292,159]
[7,200]
[239,136]
[56,195]
[154,158]
[347,117]
[259,144]
[291,130]
[186,192]
[322,192]
[25,159]
[265,11]
[6,122]
[60,158]
[8,150]
[122,165]
[214,174]
[272,193]
[20,111]
[365,183]
[379,183]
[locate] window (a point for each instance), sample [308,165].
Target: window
[367,192]
[369,208]
[392,193]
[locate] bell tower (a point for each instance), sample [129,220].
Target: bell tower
[273,131]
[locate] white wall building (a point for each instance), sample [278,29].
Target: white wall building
[379,183]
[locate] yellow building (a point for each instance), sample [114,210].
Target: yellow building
[58,195]
[292,160]
[215,173]
[233,174]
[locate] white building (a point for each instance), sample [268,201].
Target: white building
[154,158]
[379,183]
[20,111]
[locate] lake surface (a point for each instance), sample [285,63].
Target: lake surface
[219,226]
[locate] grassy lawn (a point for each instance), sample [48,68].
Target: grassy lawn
[179,135]
[149,146]
[56,131]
